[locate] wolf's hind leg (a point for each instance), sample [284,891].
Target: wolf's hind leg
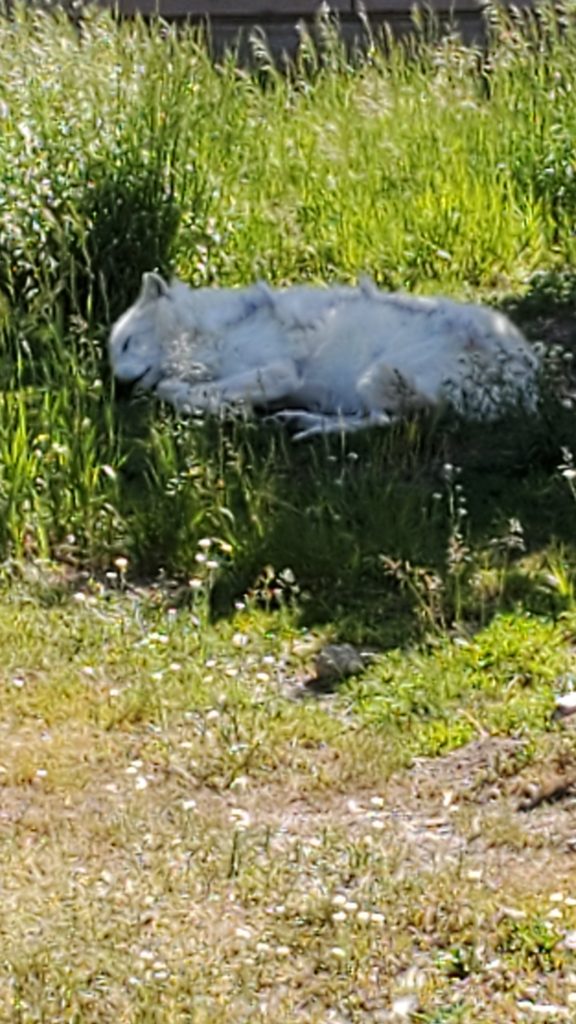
[310,424]
[385,387]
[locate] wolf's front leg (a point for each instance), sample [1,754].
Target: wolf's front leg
[182,395]
[261,386]
[264,385]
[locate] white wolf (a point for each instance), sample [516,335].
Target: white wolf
[323,359]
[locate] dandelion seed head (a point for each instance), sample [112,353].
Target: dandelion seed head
[240,818]
[241,782]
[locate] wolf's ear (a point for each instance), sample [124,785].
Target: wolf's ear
[153,287]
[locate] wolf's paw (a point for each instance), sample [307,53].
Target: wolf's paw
[307,423]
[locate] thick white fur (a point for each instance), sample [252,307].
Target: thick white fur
[324,359]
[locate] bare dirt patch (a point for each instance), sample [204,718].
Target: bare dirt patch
[314,897]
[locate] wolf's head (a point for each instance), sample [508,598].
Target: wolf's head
[137,342]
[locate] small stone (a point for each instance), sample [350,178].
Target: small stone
[542,1009]
[565,705]
[334,663]
[404,1007]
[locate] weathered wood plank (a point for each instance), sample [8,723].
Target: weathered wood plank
[405,6]
[288,10]
[230,22]
[282,37]
[256,10]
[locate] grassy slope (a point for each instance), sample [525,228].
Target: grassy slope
[182,838]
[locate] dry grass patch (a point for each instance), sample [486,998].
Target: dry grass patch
[181,841]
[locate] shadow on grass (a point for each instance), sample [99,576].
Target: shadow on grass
[547,310]
[372,535]
[372,530]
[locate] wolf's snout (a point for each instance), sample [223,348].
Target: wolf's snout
[125,389]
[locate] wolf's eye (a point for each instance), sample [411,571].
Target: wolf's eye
[126,344]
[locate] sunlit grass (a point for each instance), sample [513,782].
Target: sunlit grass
[124,147]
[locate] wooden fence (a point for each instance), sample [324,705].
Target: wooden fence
[230,23]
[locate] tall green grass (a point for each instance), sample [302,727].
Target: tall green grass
[124,147]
